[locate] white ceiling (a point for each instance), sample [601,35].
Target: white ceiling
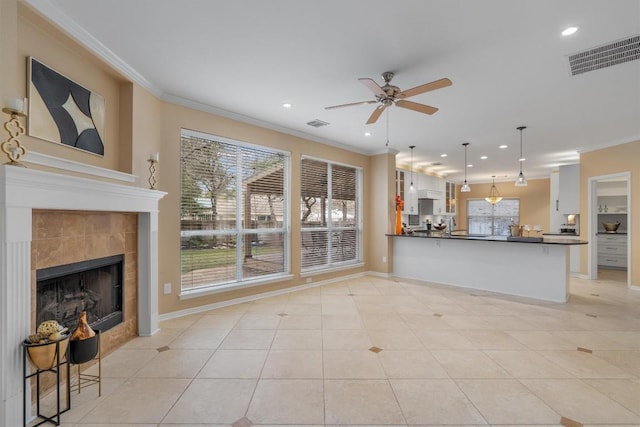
[506,59]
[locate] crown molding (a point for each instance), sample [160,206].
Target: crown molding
[51,13]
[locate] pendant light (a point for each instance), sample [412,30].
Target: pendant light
[465,187]
[412,188]
[494,196]
[521,181]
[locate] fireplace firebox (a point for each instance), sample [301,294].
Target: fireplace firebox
[94,286]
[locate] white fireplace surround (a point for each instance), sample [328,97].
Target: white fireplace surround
[21,191]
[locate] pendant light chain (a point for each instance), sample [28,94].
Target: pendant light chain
[412,188]
[465,186]
[521,181]
[387,144]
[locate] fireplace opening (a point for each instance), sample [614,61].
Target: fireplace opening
[94,286]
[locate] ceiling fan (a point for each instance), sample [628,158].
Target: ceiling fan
[388,95]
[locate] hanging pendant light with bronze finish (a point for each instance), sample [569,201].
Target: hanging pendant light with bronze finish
[494,195]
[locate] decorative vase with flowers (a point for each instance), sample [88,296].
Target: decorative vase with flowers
[399,207]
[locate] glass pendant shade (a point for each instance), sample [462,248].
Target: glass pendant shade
[412,188]
[465,187]
[494,197]
[521,181]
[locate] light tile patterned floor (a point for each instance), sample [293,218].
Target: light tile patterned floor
[372,351]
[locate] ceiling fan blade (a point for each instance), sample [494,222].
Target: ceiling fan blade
[350,104]
[438,84]
[373,86]
[376,114]
[421,108]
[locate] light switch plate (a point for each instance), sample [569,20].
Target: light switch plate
[167,288]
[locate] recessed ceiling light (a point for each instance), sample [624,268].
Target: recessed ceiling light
[522,159]
[503,146]
[443,155]
[367,134]
[484,157]
[286,105]
[469,166]
[569,30]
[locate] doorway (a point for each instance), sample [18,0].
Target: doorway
[609,227]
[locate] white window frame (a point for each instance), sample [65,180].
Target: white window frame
[340,265]
[239,232]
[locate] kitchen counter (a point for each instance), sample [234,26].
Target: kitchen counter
[537,270]
[441,235]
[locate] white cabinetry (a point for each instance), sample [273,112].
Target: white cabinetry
[569,189]
[612,250]
[433,188]
[450,198]
[410,198]
[556,219]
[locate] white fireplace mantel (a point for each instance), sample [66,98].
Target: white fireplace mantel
[21,191]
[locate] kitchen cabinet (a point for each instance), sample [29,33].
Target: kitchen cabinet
[569,189]
[612,250]
[556,219]
[410,199]
[450,198]
[400,183]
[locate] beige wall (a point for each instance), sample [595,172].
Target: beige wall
[534,201]
[37,38]
[138,124]
[174,118]
[380,211]
[617,159]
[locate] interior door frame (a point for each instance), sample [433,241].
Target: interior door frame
[593,222]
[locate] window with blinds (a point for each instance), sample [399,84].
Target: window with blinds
[330,214]
[485,218]
[233,211]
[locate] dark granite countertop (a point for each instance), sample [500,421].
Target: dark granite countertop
[483,238]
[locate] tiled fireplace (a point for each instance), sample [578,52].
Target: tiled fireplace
[76,250]
[34,206]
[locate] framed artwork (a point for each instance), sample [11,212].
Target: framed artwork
[62,111]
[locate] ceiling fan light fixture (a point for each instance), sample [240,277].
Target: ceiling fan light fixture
[465,187]
[521,181]
[494,196]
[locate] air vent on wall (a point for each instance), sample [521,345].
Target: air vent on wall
[317,123]
[614,53]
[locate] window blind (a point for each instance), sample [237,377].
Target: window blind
[330,214]
[233,213]
[485,218]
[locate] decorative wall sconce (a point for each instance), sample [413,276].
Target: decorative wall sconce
[12,147]
[153,160]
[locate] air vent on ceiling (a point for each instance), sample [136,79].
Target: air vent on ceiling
[614,53]
[317,123]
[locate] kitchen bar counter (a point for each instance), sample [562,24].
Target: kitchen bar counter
[440,235]
[537,270]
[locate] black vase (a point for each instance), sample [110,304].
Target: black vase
[82,351]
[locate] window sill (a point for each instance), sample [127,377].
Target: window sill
[212,290]
[322,270]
